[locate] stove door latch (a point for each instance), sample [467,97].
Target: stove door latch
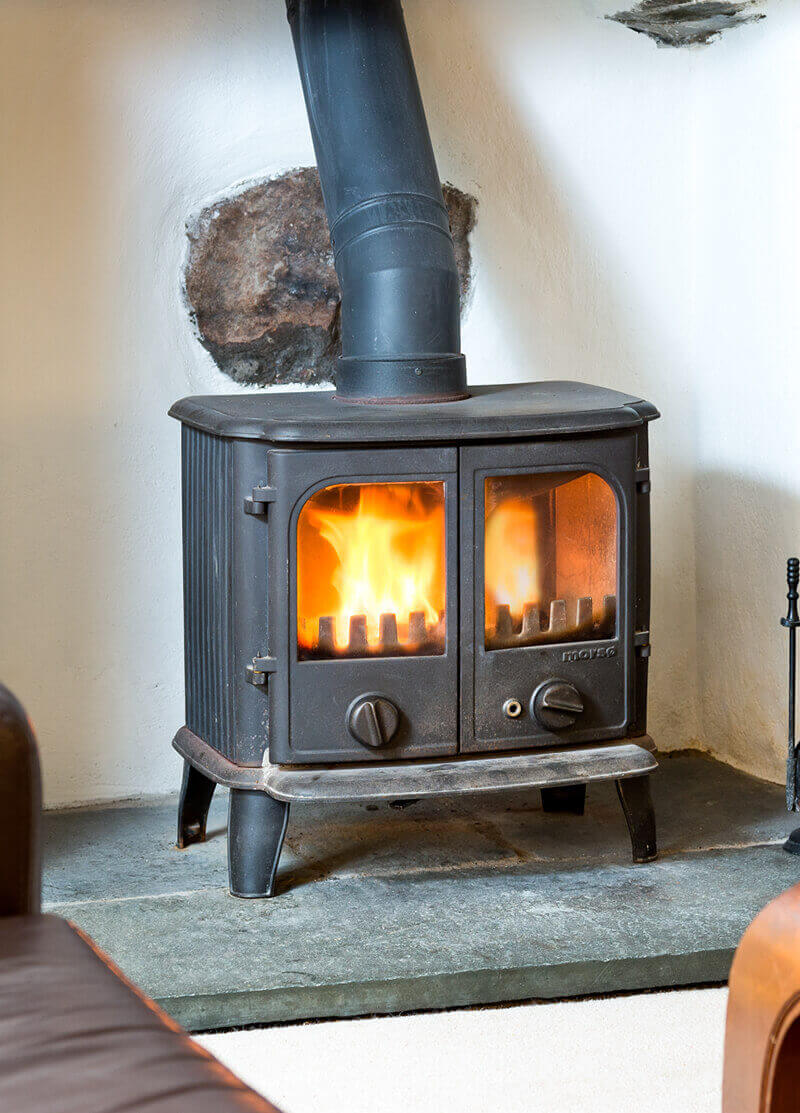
[258,502]
[641,641]
[260,668]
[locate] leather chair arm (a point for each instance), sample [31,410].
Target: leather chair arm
[20,811]
[762,1031]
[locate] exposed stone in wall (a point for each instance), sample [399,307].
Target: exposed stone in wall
[260,283]
[462,209]
[688,22]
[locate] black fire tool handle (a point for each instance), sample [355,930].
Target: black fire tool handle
[792,621]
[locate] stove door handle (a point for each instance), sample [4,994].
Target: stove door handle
[569,703]
[373,720]
[556,704]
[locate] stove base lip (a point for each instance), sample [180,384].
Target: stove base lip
[554,768]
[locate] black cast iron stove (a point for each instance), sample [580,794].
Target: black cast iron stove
[407,587]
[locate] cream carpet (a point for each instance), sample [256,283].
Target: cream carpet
[650,1053]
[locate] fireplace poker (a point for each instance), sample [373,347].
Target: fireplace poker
[791,622]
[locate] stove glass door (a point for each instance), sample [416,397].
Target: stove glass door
[363,604]
[371,572]
[546,621]
[550,559]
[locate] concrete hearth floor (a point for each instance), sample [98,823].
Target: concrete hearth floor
[458,902]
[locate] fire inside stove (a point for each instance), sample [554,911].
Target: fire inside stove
[371,565]
[550,559]
[371,574]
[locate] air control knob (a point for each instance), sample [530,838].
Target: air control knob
[373,720]
[556,704]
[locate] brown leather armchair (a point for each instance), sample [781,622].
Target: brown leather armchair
[75,1035]
[762,1031]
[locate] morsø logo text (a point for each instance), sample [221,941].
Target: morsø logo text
[588,654]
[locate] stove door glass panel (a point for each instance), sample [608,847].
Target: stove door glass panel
[371,572]
[550,559]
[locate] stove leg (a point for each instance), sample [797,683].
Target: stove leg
[256,827]
[195,800]
[564,798]
[637,804]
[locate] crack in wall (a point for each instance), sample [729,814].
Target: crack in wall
[688,22]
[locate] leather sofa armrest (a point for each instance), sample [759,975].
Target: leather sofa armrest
[20,811]
[762,1031]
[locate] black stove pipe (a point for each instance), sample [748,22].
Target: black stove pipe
[401,335]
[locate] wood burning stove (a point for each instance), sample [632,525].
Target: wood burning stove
[406,588]
[481,587]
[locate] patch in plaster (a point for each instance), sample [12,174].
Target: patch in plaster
[688,22]
[260,285]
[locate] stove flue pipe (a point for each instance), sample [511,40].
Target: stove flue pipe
[394,255]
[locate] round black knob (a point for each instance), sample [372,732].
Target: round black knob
[373,720]
[556,704]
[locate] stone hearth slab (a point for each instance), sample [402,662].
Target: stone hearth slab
[436,904]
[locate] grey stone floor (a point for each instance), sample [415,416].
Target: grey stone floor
[382,909]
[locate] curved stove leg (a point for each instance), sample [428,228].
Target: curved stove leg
[195,800]
[637,804]
[256,828]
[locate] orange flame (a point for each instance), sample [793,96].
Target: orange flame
[370,549]
[512,558]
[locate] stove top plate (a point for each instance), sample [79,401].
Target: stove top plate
[502,412]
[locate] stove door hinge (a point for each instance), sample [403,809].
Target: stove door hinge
[259,501]
[643,481]
[260,668]
[641,641]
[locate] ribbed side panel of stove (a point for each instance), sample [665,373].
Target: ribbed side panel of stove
[207,595]
[224,593]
